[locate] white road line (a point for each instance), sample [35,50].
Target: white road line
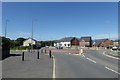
[91,60]
[69,53]
[112,70]
[53,67]
[110,56]
[83,55]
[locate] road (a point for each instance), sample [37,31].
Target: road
[93,65]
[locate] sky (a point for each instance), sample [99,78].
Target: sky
[55,20]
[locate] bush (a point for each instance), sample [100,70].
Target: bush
[21,48]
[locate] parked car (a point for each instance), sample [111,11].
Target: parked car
[59,47]
[115,48]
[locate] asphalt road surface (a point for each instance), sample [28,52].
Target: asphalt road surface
[93,65]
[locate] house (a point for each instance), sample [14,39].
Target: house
[75,42]
[85,41]
[103,43]
[116,43]
[29,42]
[57,43]
[67,42]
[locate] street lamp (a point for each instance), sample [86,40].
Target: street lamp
[32,34]
[6,23]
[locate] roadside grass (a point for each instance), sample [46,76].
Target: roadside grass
[113,53]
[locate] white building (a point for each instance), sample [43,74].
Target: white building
[29,42]
[65,42]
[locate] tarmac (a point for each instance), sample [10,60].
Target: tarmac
[31,67]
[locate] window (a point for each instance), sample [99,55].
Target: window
[68,44]
[65,44]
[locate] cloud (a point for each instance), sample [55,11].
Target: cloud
[111,36]
[19,34]
[24,33]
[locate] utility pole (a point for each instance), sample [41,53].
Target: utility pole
[6,22]
[109,39]
[32,28]
[109,36]
[32,35]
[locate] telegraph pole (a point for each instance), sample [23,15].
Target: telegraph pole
[32,35]
[32,28]
[109,35]
[6,22]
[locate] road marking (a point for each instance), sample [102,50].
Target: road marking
[53,67]
[110,56]
[91,60]
[112,70]
[83,55]
[69,53]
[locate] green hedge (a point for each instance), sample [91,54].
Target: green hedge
[21,48]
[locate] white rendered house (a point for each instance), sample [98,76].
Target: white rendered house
[64,42]
[29,42]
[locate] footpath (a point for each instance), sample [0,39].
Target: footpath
[31,67]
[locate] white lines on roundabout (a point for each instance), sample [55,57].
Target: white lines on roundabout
[110,56]
[112,70]
[91,60]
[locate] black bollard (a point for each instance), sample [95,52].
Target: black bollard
[23,56]
[38,55]
[50,53]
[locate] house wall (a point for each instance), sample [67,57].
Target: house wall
[107,43]
[115,44]
[55,44]
[83,43]
[74,42]
[29,41]
[65,44]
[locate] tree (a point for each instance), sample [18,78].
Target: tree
[19,41]
[12,43]
[5,43]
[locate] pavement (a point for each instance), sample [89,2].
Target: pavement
[31,67]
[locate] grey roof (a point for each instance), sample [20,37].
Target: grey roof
[87,38]
[66,39]
[99,41]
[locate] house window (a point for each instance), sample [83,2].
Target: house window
[68,44]
[65,44]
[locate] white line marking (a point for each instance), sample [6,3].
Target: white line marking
[112,70]
[91,60]
[69,53]
[83,55]
[110,56]
[53,67]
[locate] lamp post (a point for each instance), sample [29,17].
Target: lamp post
[6,23]
[32,32]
